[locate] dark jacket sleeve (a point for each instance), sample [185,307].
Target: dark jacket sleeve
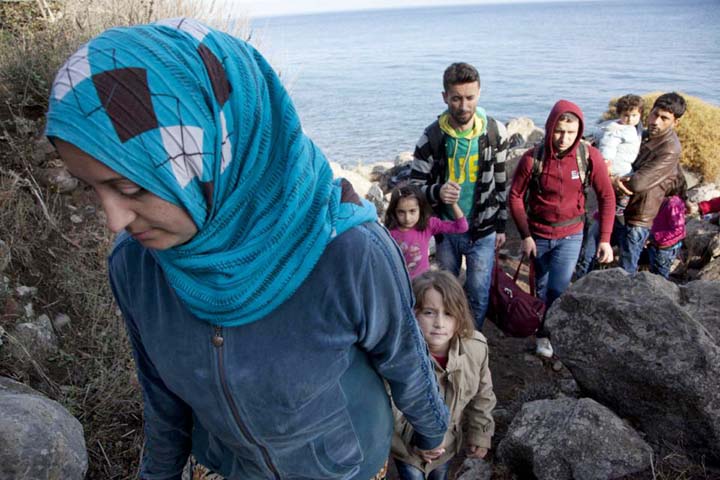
[391,336]
[520,184]
[655,171]
[422,171]
[501,179]
[604,191]
[167,419]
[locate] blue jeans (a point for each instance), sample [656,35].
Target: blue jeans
[408,472]
[661,259]
[554,267]
[587,261]
[479,259]
[631,246]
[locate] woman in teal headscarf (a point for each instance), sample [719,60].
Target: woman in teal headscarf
[264,303]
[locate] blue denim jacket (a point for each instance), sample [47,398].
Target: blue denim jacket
[296,395]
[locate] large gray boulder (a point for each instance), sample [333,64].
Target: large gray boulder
[648,349]
[39,439]
[568,438]
[702,240]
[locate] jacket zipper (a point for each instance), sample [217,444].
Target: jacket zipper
[217,342]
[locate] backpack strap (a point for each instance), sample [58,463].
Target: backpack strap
[538,155]
[435,138]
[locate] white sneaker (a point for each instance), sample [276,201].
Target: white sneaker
[543,347]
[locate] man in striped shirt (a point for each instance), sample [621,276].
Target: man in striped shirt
[460,158]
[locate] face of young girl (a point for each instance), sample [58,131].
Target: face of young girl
[407,213]
[437,325]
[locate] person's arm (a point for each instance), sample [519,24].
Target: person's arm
[478,413]
[421,172]
[501,182]
[167,419]
[389,333]
[516,202]
[654,172]
[600,181]
[459,225]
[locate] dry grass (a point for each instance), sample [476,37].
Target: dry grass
[32,52]
[93,374]
[697,131]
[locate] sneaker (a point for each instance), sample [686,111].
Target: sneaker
[544,348]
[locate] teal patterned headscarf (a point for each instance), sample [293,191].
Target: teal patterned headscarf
[200,119]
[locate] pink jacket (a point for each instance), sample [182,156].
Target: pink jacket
[669,225]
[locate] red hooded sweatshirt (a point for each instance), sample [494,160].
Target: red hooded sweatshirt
[560,197]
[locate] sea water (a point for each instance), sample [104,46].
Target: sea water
[366,83]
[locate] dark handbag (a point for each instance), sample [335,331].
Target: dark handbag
[514,311]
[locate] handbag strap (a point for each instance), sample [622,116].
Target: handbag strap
[531,274]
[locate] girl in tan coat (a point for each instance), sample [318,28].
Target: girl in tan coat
[460,359]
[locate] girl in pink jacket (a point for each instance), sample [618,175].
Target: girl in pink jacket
[667,233]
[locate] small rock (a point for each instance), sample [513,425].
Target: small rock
[58,179]
[61,320]
[36,339]
[535,137]
[569,387]
[403,157]
[43,151]
[24,291]
[692,179]
[502,416]
[703,192]
[4,256]
[557,366]
[76,219]
[523,126]
[377,197]
[28,311]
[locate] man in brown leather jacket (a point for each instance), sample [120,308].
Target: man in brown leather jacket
[654,173]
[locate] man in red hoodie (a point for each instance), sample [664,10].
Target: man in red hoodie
[551,223]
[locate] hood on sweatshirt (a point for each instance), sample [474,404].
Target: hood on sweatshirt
[562,106]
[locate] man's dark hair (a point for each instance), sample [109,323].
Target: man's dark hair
[628,102]
[459,73]
[671,102]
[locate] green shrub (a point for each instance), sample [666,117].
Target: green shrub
[698,132]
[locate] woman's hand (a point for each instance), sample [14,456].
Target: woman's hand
[476,452]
